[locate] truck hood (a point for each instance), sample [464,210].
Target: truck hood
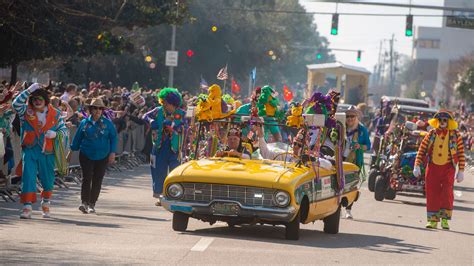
[233,171]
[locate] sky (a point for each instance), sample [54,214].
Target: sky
[365,32]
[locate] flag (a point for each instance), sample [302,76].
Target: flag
[287,94]
[222,75]
[235,87]
[203,84]
[253,74]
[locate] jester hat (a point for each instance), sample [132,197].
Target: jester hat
[434,122]
[171,96]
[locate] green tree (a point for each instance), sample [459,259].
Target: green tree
[245,34]
[465,87]
[37,29]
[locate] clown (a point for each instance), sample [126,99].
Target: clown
[442,149]
[40,124]
[166,123]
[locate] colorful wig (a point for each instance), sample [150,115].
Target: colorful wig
[171,96]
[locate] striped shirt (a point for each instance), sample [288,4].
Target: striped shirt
[428,140]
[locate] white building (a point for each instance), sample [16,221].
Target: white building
[434,48]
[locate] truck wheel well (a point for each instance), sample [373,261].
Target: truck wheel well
[344,202]
[304,208]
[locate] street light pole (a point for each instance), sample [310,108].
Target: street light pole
[173,43]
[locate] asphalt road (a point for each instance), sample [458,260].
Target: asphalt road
[128,228]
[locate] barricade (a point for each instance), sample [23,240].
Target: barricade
[131,142]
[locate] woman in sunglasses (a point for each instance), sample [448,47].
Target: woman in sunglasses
[96,139]
[40,125]
[357,142]
[442,150]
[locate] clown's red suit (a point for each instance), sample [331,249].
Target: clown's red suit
[442,150]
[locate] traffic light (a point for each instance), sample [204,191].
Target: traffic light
[334,24]
[190,53]
[319,55]
[409,26]
[359,54]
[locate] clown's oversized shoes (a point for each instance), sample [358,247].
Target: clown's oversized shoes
[444,224]
[26,212]
[45,209]
[432,225]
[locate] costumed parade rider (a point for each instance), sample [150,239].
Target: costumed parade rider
[235,147]
[268,154]
[40,125]
[441,150]
[166,124]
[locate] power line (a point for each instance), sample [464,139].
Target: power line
[323,13]
[445,8]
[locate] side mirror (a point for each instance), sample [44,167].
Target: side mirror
[410,126]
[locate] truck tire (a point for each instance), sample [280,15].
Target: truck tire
[180,221]
[331,223]
[380,188]
[371,179]
[390,194]
[292,231]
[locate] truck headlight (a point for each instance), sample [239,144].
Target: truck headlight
[175,191]
[281,198]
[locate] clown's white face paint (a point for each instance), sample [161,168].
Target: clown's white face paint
[443,122]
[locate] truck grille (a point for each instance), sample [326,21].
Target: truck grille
[247,196]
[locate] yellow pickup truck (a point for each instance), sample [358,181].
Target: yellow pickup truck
[242,191]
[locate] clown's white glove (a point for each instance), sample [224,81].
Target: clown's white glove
[460,176]
[50,134]
[416,171]
[33,87]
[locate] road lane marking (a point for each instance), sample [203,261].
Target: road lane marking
[202,244]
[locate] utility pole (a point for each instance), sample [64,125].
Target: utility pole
[378,72]
[173,44]
[392,74]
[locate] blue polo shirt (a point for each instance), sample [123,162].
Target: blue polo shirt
[96,140]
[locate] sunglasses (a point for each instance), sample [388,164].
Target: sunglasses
[38,98]
[351,116]
[444,120]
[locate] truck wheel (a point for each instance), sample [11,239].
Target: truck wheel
[380,188]
[180,221]
[292,231]
[390,194]
[371,179]
[331,223]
